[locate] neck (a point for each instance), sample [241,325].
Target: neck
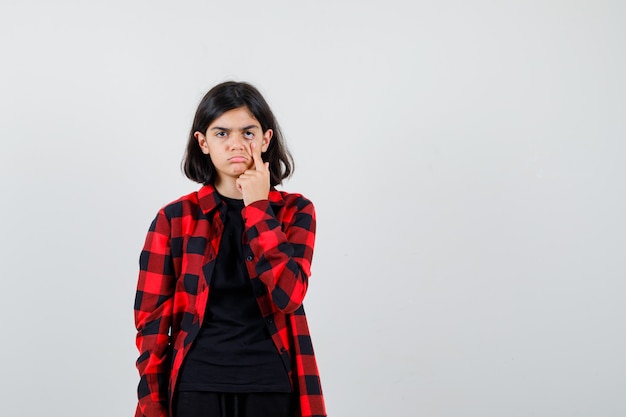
[228,188]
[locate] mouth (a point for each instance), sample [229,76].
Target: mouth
[237,159]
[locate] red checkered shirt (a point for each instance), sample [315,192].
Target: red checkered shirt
[176,266]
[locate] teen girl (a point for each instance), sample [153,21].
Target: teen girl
[224,270]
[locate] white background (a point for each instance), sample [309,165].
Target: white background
[466,158]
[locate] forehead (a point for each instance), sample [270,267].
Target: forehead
[236,118]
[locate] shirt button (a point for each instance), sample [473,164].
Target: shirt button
[249,258]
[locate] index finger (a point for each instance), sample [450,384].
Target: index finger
[256,156]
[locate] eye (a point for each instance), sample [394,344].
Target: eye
[248,135]
[221,134]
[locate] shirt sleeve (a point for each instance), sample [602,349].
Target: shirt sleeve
[153,314]
[283,250]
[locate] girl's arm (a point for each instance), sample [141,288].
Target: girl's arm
[281,253]
[153,314]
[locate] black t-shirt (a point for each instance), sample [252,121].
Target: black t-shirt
[233,351]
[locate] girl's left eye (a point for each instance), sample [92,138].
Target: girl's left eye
[249,135]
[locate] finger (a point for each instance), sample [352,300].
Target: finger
[256,155]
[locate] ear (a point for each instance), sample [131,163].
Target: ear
[202,142]
[267,137]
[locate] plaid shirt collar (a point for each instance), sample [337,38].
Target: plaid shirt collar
[209,199]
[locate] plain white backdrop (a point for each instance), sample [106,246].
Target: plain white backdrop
[466,159]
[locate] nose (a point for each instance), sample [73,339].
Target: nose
[237,141]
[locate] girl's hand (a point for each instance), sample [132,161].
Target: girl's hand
[254,184]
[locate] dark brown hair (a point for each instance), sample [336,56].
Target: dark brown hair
[220,99]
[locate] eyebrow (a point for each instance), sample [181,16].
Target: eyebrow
[243,128]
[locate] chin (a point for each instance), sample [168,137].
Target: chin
[239,170]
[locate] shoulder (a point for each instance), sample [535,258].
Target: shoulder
[181,206]
[291,204]
[289,199]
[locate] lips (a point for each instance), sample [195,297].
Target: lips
[238,159]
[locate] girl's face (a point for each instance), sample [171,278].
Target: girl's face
[228,141]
